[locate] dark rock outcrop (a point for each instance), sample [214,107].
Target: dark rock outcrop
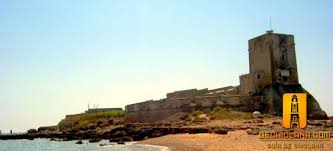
[273,101]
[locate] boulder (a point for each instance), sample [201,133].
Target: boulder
[256,113]
[79,142]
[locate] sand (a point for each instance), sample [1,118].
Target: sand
[234,140]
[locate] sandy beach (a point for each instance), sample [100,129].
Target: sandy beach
[234,140]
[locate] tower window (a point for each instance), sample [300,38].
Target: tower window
[283,57]
[258,76]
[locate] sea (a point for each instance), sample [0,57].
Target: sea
[47,145]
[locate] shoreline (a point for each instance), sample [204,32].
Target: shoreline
[102,145]
[236,140]
[162,148]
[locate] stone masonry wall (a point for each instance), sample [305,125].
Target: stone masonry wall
[156,111]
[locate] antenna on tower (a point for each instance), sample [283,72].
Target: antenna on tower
[270,25]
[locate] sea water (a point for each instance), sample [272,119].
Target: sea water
[46,145]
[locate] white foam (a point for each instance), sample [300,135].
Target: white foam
[162,148]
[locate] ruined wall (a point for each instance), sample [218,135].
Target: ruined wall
[246,84]
[186,93]
[98,110]
[157,111]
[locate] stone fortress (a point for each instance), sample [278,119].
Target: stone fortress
[273,72]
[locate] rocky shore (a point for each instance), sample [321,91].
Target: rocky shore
[128,132]
[143,131]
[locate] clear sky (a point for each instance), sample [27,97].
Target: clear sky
[57,56]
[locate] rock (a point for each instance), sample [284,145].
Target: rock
[319,115]
[140,135]
[220,103]
[47,128]
[198,130]
[32,131]
[329,124]
[127,138]
[114,140]
[95,140]
[156,134]
[204,117]
[221,131]
[79,142]
[316,122]
[256,113]
[253,131]
[258,121]
[122,142]
[276,122]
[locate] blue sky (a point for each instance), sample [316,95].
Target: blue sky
[58,56]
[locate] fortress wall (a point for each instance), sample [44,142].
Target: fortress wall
[150,116]
[182,93]
[155,111]
[73,115]
[98,110]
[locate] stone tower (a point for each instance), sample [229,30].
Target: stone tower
[272,60]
